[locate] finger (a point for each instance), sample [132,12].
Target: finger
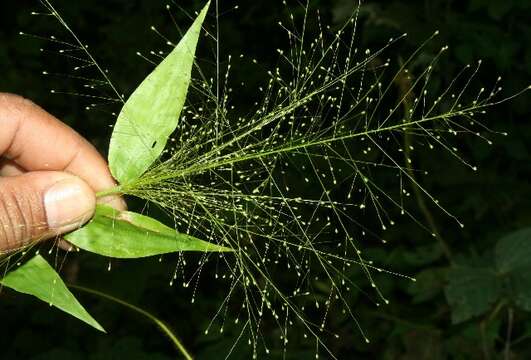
[9,168]
[35,140]
[65,245]
[40,205]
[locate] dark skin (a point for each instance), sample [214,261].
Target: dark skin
[49,176]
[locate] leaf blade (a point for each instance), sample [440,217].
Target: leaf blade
[152,112]
[471,291]
[36,277]
[513,251]
[513,261]
[129,235]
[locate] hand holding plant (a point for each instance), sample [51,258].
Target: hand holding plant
[50,176]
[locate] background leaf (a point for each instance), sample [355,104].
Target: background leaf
[513,262]
[521,289]
[514,251]
[471,291]
[152,112]
[131,235]
[36,277]
[429,284]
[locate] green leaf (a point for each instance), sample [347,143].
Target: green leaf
[152,112]
[36,277]
[127,234]
[513,252]
[422,255]
[520,285]
[429,284]
[513,262]
[471,291]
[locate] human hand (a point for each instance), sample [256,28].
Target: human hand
[49,175]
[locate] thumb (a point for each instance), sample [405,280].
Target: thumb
[40,205]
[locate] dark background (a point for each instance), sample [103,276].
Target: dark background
[493,202]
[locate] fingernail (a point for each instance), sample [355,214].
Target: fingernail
[69,204]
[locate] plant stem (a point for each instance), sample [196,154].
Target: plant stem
[117,190]
[510,319]
[165,328]
[484,347]
[404,87]
[422,204]
[483,326]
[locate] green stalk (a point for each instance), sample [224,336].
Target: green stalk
[165,328]
[405,89]
[117,190]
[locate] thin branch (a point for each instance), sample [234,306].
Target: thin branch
[404,85]
[165,328]
[510,320]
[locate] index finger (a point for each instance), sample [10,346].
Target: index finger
[36,141]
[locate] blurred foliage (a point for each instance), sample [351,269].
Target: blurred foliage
[474,306]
